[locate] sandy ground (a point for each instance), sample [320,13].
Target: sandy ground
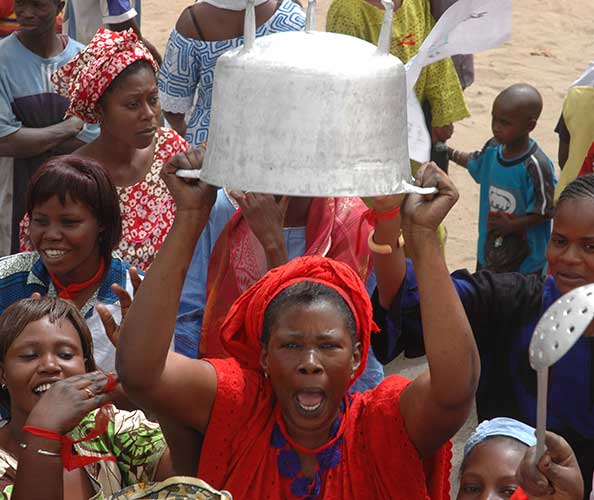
[552,43]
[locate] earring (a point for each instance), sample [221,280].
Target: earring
[3,386]
[265,375]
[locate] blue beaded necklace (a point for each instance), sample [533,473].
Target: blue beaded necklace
[289,464]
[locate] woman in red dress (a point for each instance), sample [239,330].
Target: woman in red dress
[276,417]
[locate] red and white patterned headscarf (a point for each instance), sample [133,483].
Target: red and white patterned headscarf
[86,77]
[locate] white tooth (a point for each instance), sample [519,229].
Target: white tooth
[41,388]
[310,408]
[54,253]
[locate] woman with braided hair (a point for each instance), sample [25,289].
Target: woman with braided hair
[503,310]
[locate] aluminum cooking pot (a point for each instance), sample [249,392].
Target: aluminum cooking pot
[309,114]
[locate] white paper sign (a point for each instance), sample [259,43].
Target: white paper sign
[467,27]
[419,139]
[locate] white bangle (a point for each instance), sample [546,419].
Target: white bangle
[42,452]
[375,248]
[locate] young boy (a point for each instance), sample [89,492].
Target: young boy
[517,186]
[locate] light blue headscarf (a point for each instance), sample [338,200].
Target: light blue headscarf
[501,426]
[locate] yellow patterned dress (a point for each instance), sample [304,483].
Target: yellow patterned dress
[579,121]
[438,82]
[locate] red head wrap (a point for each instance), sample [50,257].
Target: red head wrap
[86,77]
[242,329]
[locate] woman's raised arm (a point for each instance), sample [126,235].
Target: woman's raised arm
[155,378]
[390,268]
[437,403]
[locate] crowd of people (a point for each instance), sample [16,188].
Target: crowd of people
[164,338]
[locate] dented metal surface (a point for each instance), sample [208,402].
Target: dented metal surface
[309,114]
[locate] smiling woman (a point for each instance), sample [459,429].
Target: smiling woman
[75,226]
[49,382]
[113,82]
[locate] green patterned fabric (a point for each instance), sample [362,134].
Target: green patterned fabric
[136,442]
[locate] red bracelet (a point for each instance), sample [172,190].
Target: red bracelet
[111,384]
[71,461]
[43,433]
[372,216]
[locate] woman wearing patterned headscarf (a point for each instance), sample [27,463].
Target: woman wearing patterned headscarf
[113,82]
[276,417]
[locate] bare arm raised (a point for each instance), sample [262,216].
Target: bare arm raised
[156,379]
[436,404]
[265,217]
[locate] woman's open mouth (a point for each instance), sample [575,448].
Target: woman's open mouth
[310,402]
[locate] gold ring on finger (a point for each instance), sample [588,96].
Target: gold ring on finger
[89,392]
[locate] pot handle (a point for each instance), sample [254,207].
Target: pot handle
[411,188]
[310,17]
[188,174]
[249,26]
[385,38]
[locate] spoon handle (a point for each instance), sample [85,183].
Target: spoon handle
[541,411]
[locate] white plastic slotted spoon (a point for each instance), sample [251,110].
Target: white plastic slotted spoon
[556,333]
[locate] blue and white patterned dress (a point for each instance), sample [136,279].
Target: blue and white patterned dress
[189,65]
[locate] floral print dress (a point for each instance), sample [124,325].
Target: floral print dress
[148,209]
